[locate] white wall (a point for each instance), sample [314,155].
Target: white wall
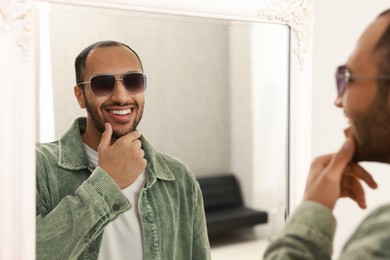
[259,108]
[337,26]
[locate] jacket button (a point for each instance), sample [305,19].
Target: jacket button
[116,207]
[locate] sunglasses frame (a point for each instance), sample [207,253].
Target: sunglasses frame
[342,79]
[121,75]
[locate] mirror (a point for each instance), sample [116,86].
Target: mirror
[217,96]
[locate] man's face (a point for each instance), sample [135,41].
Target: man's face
[119,108]
[372,132]
[367,110]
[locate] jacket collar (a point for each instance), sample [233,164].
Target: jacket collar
[71,151]
[72,155]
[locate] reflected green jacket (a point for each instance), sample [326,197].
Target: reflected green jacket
[74,203]
[309,233]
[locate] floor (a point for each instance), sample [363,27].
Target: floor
[245,246]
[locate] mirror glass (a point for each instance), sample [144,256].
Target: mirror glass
[217,95]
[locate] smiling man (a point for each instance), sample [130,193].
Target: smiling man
[103,191]
[363,86]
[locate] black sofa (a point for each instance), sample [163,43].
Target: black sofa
[224,206]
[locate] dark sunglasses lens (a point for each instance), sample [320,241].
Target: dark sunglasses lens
[134,82]
[102,85]
[341,80]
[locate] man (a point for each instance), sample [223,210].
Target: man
[363,92]
[103,192]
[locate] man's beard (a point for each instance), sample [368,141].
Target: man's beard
[373,132]
[99,123]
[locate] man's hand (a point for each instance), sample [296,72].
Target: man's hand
[334,176]
[124,160]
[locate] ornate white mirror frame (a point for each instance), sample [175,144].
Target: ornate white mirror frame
[18,94]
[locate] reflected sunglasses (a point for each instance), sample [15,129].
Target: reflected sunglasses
[103,84]
[344,77]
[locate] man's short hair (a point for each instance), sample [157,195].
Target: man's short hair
[382,49]
[82,57]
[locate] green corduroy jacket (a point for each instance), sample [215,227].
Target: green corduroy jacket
[309,234]
[74,202]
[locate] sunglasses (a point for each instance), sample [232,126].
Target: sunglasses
[104,84]
[345,77]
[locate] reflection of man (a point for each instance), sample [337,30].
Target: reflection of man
[363,92]
[102,175]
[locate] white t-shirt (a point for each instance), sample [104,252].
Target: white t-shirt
[122,238]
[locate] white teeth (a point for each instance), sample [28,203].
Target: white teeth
[121,112]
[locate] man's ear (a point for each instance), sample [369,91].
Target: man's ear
[79,94]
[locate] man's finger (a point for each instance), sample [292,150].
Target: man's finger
[341,159]
[131,136]
[360,195]
[106,137]
[362,174]
[355,191]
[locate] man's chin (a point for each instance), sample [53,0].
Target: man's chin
[357,157]
[119,133]
[369,156]
[122,131]
[361,153]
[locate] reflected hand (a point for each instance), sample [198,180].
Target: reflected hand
[334,176]
[124,160]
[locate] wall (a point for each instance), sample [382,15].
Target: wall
[259,125]
[337,26]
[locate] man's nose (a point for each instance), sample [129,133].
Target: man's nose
[339,101]
[119,92]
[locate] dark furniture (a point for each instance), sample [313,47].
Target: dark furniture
[224,205]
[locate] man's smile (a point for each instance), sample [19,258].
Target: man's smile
[120,112]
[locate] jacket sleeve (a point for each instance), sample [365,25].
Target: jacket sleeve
[65,229]
[371,239]
[201,245]
[308,234]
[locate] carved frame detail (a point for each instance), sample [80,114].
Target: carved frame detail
[299,16]
[16,17]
